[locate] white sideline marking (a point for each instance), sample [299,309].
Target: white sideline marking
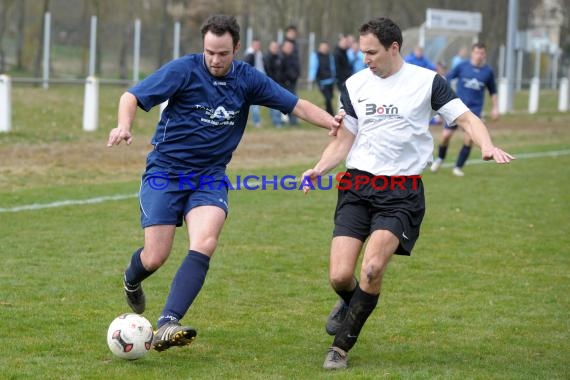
[74,202]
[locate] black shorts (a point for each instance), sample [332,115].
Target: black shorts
[395,204]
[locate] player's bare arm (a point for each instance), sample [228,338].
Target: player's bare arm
[316,115]
[126,115]
[495,109]
[334,153]
[473,126]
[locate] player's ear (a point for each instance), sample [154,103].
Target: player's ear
[236,48]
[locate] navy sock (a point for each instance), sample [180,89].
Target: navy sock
[185,287]
[463,156]
[346,295]
[136,272]
[442,152]
[359,310]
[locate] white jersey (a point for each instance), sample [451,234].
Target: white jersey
[390,119]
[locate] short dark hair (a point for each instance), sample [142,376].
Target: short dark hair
[291,27]
[479,45]
[220,25]
[385,30]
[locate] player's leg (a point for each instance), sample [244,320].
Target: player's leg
[446,135]
[161,210]
[207,210]
[343,257]
[145,261]
[379,249]
[463,155]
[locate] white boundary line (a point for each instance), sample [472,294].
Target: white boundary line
[120,197]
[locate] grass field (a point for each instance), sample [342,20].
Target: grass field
[485,295]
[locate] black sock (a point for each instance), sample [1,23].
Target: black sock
[463,155]
[359,310]
[346,295]
[442,152]
[136,272]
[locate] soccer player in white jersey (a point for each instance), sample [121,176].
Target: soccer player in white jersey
[386,141]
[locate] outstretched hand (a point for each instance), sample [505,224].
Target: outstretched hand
[338,120]
[119,134]
[311,174]
[497,154]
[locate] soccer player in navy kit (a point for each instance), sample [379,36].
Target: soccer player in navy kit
[385,138]
[209,96]
[473,76]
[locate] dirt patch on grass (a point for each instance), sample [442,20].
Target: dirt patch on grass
[90,161]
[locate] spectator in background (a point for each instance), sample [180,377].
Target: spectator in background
[417,57]
[355,56]
[291,36]
[342,64]
[322,71]
[272,64]
[459,57]
[254,57]
[290,72]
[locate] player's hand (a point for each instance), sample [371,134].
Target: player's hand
[311,175]
[497,154]
[494,114]
[119,134]
[338,120]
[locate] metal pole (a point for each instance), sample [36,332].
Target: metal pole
[502,61]
[249,37]
[310,53]
[537,63]
[520,58]
[554,77]
[137,50]
[93,46]
[512,23]
[176,49]
[47,37]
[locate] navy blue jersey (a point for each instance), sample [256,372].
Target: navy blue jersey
[471,83]
[206,115]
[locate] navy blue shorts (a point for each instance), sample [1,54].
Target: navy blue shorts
[395,204]
[166,199]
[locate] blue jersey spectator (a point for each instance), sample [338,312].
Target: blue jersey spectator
[418,58]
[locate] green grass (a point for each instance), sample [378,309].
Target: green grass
[484,295]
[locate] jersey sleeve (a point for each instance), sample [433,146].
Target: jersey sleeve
[491,84]
[350,120]
[441,93]
[160,85]
[266,92]
[445,102]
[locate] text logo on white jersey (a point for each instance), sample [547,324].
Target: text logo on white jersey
[383,111]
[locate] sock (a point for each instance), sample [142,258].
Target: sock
[359,310]
[346,295]
[185,287]
[463,155]
[136,272]
[442,152]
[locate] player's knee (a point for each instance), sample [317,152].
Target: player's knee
[153,259]
[372,272]
[207,245]
[341,281]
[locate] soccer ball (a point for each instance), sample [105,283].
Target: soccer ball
[129,336]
